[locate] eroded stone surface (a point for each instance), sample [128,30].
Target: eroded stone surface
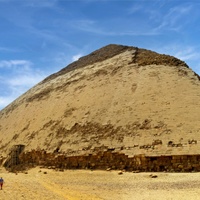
[128,99]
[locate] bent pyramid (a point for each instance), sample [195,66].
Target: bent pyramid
[118,99]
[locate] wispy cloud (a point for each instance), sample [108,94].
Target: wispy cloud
[5,49]
[189,53]
[25,80]
[35,3]
[39,3]
[14,63]
[20,76]
[4,101]
[174,18]
[97,28]
[135,8]
[85,25]
[183,52]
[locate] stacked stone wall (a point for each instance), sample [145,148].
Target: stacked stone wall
[112,160]
[13,157]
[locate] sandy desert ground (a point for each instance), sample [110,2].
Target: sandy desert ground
[46,184]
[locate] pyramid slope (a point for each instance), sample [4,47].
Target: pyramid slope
[131,100]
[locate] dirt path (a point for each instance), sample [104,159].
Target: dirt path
[46,184]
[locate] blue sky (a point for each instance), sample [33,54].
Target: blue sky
[40,37]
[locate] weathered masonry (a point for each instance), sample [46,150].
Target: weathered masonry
[13,157]
[112,160]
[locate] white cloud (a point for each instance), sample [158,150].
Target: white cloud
[76,57]
[25,80]
[17,76]
[4,101]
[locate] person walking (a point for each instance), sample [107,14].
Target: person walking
[1,182]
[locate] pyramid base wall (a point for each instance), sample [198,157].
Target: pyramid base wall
[109,160]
